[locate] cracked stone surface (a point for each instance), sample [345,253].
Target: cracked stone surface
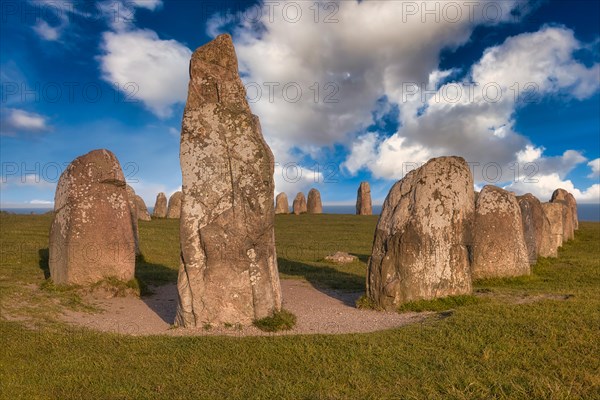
[160,206]
[228,271]
[421,245]
[363,200]
[282,206]
[92,235]
[499,248]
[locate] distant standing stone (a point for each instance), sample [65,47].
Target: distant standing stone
[228,272]
[554,212]
[282,206]
[160,207]
[536,228]
[92,235]
[313,204]
[174,210]
[420,250]
[363,200]
[499,248]
[142,210]
[299,205]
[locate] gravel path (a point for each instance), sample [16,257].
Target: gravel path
[318,311]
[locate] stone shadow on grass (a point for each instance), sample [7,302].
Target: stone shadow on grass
[340,285]
[158,284]
[44,255]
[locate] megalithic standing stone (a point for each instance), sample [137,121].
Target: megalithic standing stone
[228,271]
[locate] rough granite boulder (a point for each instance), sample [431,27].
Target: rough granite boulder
[282,206]
[160,206]
[174,209]
[133,212]
[228,272]
[299,205]
[536,228]
[570,220]
[363,199]
[142,210]
[92,237]
[554,212]
[420,250]
[313,204]
[499,248]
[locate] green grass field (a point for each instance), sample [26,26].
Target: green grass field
[532,337]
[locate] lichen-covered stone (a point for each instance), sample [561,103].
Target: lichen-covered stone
[570,220]
[228,271]
[92,236]
[160,206]
[499,248]
[282,206]
[536,228]
[174,209]
[313,204]
[554,212]
[142,210]
[299,206]
[420,250]
[363,199]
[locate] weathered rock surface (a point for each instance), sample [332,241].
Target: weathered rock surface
[133,214]
[160,206]
[363,199]
[282,206]
[174,209]
[340,257]
[92,236]
[499,248]
[420,250]
[228,271]
[570,220]
[554,212]
[536,228]
[313,204]
[142,210]
[299,205]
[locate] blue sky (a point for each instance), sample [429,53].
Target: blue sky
[346,91]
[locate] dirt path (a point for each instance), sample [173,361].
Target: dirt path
[317,311]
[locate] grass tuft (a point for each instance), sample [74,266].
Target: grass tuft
[443,304]
[280,321]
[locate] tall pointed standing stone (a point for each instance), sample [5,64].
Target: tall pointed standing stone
[282,206]
[228,271]
[363,200]
[313,204]
[160,207]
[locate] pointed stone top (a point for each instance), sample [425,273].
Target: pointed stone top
[219,51]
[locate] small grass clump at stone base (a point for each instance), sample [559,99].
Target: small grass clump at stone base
[534,337]
[282,320]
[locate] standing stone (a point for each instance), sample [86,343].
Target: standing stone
[142,210]
[499,248]
[299,205]
[313,204]
[363,200]
[554,212]
[570,220]
[160,206]
[282,206]
[536,228]
[228,271]
[91,237]
[420,250]
[133,213]
[174,210]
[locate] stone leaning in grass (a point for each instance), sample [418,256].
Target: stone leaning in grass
[420,250]
[228,272]
[499,248]
[92,237]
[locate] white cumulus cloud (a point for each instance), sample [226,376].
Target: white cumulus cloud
[14,121]
[595,167]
